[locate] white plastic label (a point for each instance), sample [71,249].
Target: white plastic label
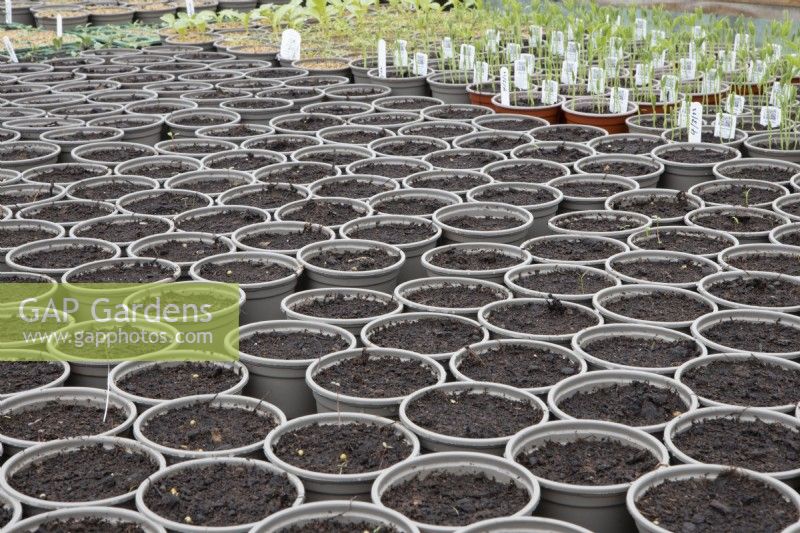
[618,102]
[695,122]
[776,52]
[536,36]
[697,32]
[480,73]
[710,83]
[12,55]
[9,12]
[569,72]
[725,126]
[770,116]
[735,104]
[530,63]
[59,26]
[421,64]
[641,29]
[401,53]
[290,45]
[505,89]
[611,66]
[513,50]
[521,75]
[447,48]
[572,52]
[549,92]
[683,115]
[466,57]
[557,43]
[381,58]
[756,71]
[669,85]
[688,68]
[596,83]
[190,7]
[657,35]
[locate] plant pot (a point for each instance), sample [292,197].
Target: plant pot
[70,138]
[405,292]
[564,153]
[416,146]
[710,242]
[328,486]
[682,175]
[446,130]
[600,223]
[105,514]
[596,249]
[580,191]
[412,85]
[257,110]
[728,214]
[741,193]
[40,153]
[117,186]
[444,217]
[137,128]
[600,507]
[111,154]
[93,209]
[709,325]
[590,278]
[611,122]
[529,524]
[606,298]
[299,210]
[760,257]
[340,511]
[159,167]
[64,173]
[772,170]
[493,273]
[242,236]
[25,356]
[767,146]
[786,234]
[686,269]
[383,278]
[185,123]
[44,229]
[282,381]
[761,288]
[450,87]
[627,143]
[357,186]
[666,206]
[15,259]
[641,169]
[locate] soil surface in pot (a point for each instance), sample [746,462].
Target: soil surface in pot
[22,153]
[57,420]
[366,376]
[270,197]
[13,237]
[167,382]
[633,404]
[541,318]
[472,414]
[344,448]
[109,190]
[396,171]
[342,306]
[620,168]
[586,188]
[588,461]
[309,123]
[183,251]
[324,213]
[18,376]
[353,260]
[197,121]
[123,230]
[337,157]
[85,474]
[451,499]
[116,154]
[283,145]
[454,295]
[517,365]
[773,174]
[204,427]
[427,335]
[334,525]
[664,270]
[246,162]
[218,494]
[86,524]
[278,240]
[732,193]
[65,174]
[558,154]
[234,130]
[215,185]
[408,148]
[658,306]
[515,196]
[473,259]
[729,502]
[782,263]
[511,124]
[574,249]
[563,281]
[657,205]
[761,292]
[68,212]
[573,134]
[748,382]
[291,345]
[63,257]
[497,143]
[220,221]
[439,130]
[483,223]
[353,188]
[457,113]
[166,203]
[244,271]
[163,170]
[298,174]
[394,233]
[606,222]
[645,352]
[695,156]
[416,205]
[464,160]
[753,444]
[686,241]
[142,271]
[16,196]
[633,146]
[752,336]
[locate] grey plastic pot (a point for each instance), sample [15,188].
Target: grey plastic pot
[412,267]
[450,86]
[330,401]
[780,233]
[194,215]
[598,263]
[82,153]
[541,212]
[284,212]
[277,227]
[405,289]
[602,297]
[786,364]
[599,143]
[134,166]
[431,144]
[54,244]
[523,122]
[455,234]
[323,486]
[463,463]
[437,442]
[720,169]
[419,179]
[137,248]
[599,507]
[682,176]
[780,205]
[50,153]
[220,400]
[641,221]
[382,279]
[400,86]
[649,179]
[182,527]
[446,197]
[262,299]
[353,325]
[123,202]
[610,331]
[593,381]
[409,165]
[179,147]
[762,146]
[160,225]
[755,249]
[64,395]
[494,275]
[143,403]
[477,139]
[482,347]
[110,514]
[73,189]
[32,212]
[189,180]
[514,275]
[702,189]
[523,525]
[708,282]
[180,131]
[31,129]
[27,459]
[744,237]
[693,471]
[387,184]
[573,202]
[613,262]
[502,333]
[617,201]
[137,128]
[55,230]
[281,381]
[91,171]
[748,315]
[637,239]
[743,414]
[346,512]
[47,193]
[230,198]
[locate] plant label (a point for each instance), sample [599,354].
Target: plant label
[569,73]
[9,12]
[59,26]
[697,32]
[190,7]
[447,48]
[711,82]
[492,38]
[770,116]
[695,122]
[12,55]
[521,75]
[381,58]
[692,53]
[557,43]
[656,36]
[530,63]
[727,61]
[505,89]
[466,57]
[572,52]
[536,36]
[669,85]
[611,66]
[642,74]
[780,94]
[641,29]
[618,103]
[401,53]
[290,45]
[596,83]
[513,50]
[776,52]
[688,68]
[549,92]
[480,73]
[421,64]
[735,104]
[659,60]
[683,115]
[725,126]
[756,71]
